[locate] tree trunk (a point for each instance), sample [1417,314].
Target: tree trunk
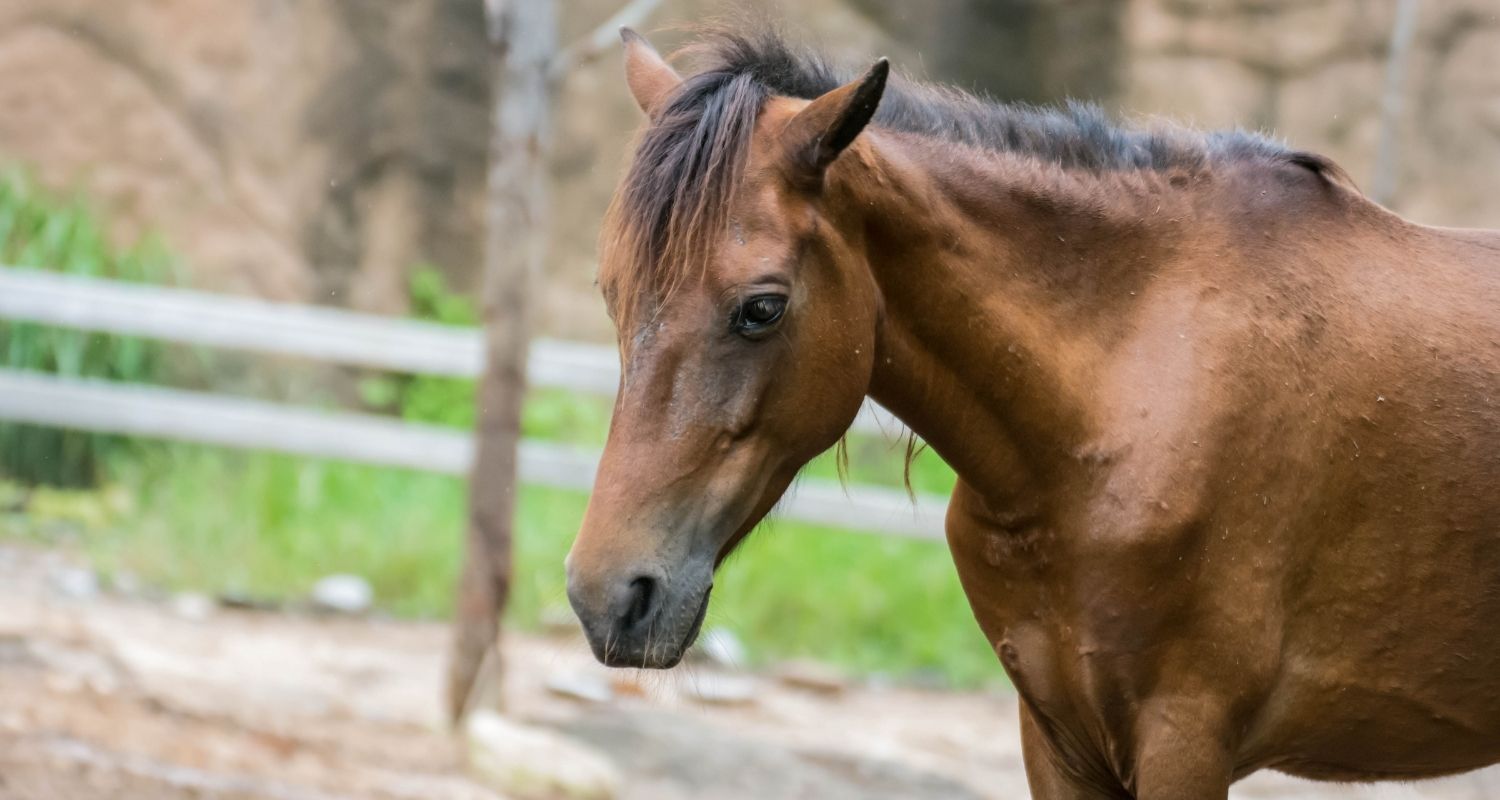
[523,41]
[1393,103]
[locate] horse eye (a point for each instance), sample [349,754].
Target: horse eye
[759,314]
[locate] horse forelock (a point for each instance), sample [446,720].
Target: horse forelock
[675,198]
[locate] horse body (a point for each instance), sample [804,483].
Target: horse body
[1265,518]
[1391,652]
[1227,434]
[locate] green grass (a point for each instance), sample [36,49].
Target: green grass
[62,234]
[185,517]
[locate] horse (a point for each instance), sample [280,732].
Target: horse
[1226,432]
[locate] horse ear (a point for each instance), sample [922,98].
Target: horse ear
[650,77]
[821,131]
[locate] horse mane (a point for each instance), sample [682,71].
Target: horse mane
[691,157]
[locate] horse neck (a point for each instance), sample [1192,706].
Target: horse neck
[1002,284]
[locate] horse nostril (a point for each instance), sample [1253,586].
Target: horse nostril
[640,600]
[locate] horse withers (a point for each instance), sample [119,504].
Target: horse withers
[1227,433]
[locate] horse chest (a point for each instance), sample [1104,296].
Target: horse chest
[1077,626]
[1036,570]
[1083,698]
[1029,597]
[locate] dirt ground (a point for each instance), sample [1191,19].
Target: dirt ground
[103,696]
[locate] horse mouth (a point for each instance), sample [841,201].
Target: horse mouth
[697,626]
[655,655]
[691,636]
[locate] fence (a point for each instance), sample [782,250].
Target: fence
[349,338]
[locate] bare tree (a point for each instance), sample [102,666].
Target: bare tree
[526,66]
[523,40]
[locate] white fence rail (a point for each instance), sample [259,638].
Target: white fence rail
[348,338]
[153,412]
[321,334]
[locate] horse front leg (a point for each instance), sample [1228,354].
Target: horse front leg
[1182,753]
[1049,775]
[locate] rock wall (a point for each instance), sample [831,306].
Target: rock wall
[261,137]
[1027,50]
[315,150]
[1313,72]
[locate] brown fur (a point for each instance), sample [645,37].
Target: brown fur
[1227,434]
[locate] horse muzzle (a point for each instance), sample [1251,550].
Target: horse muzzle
[641,620]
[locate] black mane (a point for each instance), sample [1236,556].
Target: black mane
[675,198]
[1075,135]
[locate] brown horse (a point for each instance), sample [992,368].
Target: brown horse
[1227,433]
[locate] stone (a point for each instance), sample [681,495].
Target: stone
[75,583]
[559,620]
[126,583]
[720,689]
[528,762]
[721,646]
[627,683]
[1204,90]
[262,141]
[929,679]
[193,606]
[811,676]
[245,601]
[343,594]
[15,650]
[1325,105]
[589,687]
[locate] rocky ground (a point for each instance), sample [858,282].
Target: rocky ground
[108,696]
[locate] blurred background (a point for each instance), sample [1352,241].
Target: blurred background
[248,542]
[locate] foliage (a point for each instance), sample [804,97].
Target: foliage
[44,231]
[428,398]
[551,414]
